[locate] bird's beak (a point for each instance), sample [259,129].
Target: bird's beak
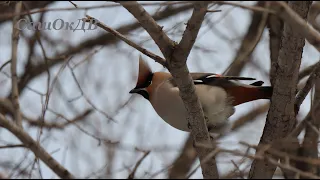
[135,90]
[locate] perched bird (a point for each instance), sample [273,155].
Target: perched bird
[218,96]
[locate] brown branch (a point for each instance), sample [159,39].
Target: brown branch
[275,26]
[281,117]
[14,59]
[150,25]
[309,147]
[105,39]
[176,56]
[7,16]
[157,58]
[184,162]
[315,75]
[131,175]
[35,148]
[9,9]
[13,146]
[307,71]
[299,24]
[252,8]
[51,125]
[249,42]
[313,14]
[179,70]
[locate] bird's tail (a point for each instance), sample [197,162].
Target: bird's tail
[265,92]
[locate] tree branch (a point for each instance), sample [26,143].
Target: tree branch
[249,42]
[299,24]
[14,59]
[157,58]
[35,148]
[281,117]
[176,56]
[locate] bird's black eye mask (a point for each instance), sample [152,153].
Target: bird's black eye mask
[143,93]
[147,82]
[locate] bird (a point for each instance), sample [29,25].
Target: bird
[218,96]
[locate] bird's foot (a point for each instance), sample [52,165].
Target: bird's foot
[189,125]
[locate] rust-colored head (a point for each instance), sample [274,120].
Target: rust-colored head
[145,74]
[144,79]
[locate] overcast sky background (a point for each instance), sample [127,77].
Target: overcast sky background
[108,78]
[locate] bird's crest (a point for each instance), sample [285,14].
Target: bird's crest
[144,73]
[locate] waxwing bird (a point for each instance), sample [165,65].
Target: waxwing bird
[218,96]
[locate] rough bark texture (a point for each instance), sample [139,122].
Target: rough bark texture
[176,56]
[281,117]
[310,143]
[8,8]
[275,26]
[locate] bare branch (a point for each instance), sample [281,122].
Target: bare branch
[55,125]
[313,14]
[157,58]
[275,26]
[131,175]
[176,56]
[150,25]
[299,24]
[14,59]
[184,162]
[315,75]
[252,8]
[249,42]
[281,117]
[35,148]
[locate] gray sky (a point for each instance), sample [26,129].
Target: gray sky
[109,76]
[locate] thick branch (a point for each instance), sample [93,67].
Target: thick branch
[104,39]
[176,58]
[7,7]
[313,14]
[150,25]
[299,24]
[309,147]
[35,148]
[315,75]
[281,117]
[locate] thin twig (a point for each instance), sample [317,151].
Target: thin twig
[290,16]
[157,58]
[10,15]
[131,175]
[313,14]
[252,8]
[55,125]
[35,148]
[14,59]
[306,89]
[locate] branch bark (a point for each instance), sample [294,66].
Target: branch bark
[309,147]
[35,148]
[250,41]
[14,59]
[176,57]
[299,24]
[281,117]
